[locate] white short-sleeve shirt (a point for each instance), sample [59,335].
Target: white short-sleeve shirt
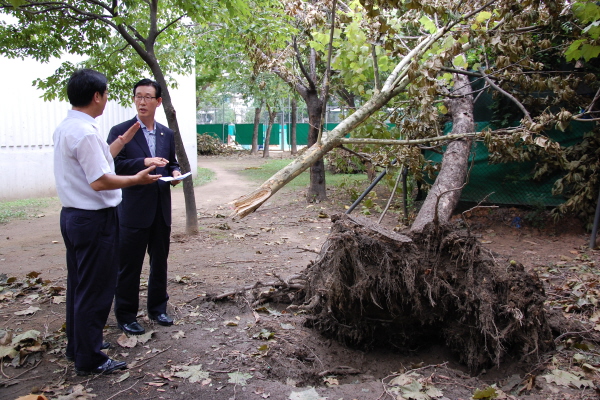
[80,158]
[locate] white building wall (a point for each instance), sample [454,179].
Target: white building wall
[27,123]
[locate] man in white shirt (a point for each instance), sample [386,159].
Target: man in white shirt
[89,191]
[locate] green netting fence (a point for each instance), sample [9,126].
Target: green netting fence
[512,183]
[505,183]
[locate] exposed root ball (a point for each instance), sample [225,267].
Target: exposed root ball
[374,285]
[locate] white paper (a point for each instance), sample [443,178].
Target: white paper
[179,178]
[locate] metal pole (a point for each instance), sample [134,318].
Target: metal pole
[595,228]
[404,193]
[368,190]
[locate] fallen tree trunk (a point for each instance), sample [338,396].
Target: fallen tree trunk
[395,84]
[370,285]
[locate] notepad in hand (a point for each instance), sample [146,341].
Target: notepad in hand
[179,178]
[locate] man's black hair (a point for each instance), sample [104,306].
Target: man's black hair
[149,82]
[83,85]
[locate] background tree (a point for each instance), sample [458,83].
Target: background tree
[123,39]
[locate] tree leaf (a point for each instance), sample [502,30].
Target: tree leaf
[78,393]
[239,378]
[308,394]
[122,377]
[589,51]
[428,24]
[564,378]
[127,341]
[460,61]
[145,337]
[487,393]
[483,16]
[193,373]
[8,351]
[29,311]
[32,335]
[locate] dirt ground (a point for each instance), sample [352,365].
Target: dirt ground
[230,350]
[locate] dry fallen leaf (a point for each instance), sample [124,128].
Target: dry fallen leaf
[32,397]
[145,337]
[29,311]
[193,373]
[127,341]
[122,377]
[178,335]
[331,381]
[78,393]
[158,384]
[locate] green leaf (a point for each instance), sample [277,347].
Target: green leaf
[483,16]
[17,3]
[460,61]
[573,52]
[428,24]
[487,393]
[589,51]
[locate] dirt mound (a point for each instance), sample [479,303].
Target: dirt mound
[370,285]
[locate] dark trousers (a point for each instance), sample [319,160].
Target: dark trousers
[133,245]
[91,238]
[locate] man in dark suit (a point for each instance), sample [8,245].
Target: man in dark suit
[145,212]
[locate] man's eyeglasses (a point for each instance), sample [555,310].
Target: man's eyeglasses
[147,98]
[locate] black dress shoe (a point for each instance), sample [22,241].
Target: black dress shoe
[103,346]
[109,366]
[162,319]
[132,328]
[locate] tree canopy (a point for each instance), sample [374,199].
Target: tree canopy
[519,52]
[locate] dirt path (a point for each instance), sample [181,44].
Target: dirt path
[227,186]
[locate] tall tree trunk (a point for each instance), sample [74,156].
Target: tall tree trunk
[191,218]
[293,125]
[257,111]
[446,189]
[316,189]
[272,115]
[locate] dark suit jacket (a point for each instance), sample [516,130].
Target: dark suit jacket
[138,208]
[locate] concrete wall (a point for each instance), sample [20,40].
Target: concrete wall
[27,124]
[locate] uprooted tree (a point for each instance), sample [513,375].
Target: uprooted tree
[432,283]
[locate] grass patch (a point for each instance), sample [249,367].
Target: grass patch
[204,176]
[23,209]
[268,169]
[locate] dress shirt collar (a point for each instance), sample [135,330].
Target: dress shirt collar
[83,116]
[145,128]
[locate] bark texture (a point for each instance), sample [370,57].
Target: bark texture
[272,115]
[445,192]
[293,126]
[191,218]
[257,111]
